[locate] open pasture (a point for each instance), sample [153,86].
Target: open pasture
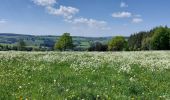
[85,75]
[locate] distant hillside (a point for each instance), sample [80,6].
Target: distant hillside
[48,41]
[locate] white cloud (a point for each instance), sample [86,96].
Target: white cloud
[66,12]
[122,15]
[2,21]
[91,23]
[44,2]
[137,20]
[123,5]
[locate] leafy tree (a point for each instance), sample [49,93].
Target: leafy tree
[161,39]
[135,40]
[146,43]
[21,45]
[65,42]
[156,39]
[118,43]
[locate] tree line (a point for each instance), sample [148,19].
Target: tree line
[157,38]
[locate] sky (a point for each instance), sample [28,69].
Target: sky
[94,18]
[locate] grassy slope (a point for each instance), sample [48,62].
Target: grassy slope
[55,75]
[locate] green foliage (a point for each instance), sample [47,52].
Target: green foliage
[48,42]
[21,45]
[64,43]
[118,43]
[97,46]
[146,43]
[156,39]
[161,39]
[135,40]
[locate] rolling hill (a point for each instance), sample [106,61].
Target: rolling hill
[48,40]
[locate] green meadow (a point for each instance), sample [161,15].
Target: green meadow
[85,75]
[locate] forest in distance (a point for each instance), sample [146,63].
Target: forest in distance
[157,38]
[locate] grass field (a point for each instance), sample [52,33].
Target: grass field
[85,75]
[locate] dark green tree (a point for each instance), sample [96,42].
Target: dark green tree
[156,39]
[161,39]
[135,40]
[118,43]
[65,42]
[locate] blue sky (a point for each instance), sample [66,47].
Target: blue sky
[82,17]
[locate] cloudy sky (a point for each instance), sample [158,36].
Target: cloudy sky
[82,17]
